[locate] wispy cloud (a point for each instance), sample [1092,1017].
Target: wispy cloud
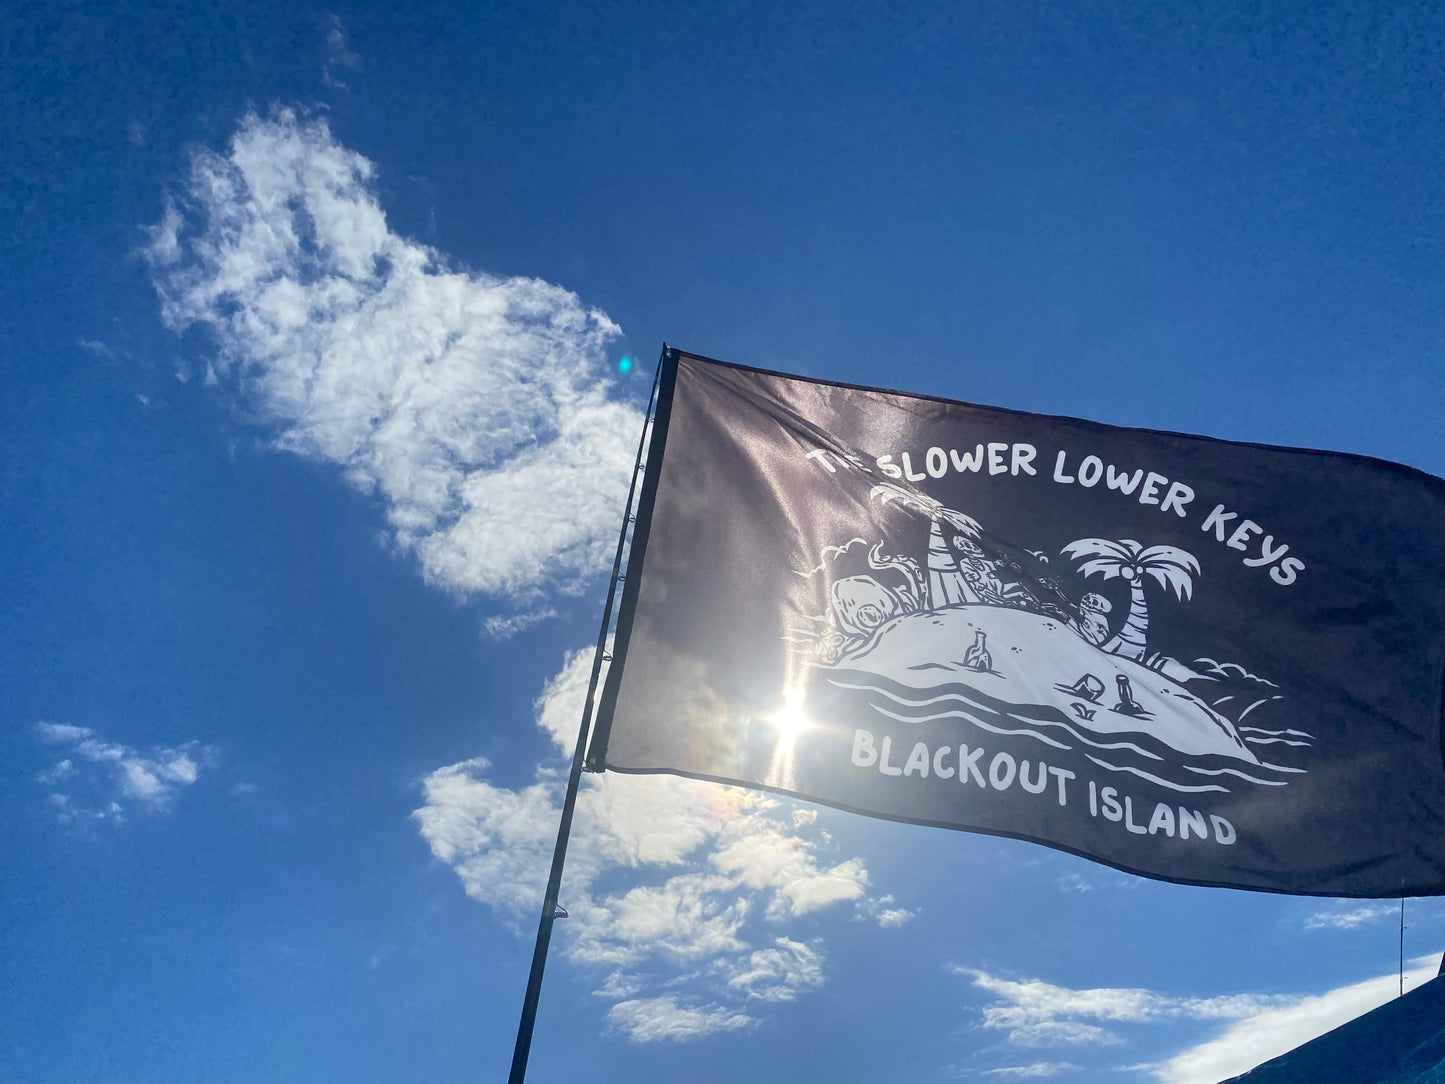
[1350,916]
[1037,1013]
[339,56]
[1257,1027]
[499,627]
[651,1019]
[883,910]
[700,930]
[1034,1071]
[96,347]
[98,780]
[779,973]
[61,732]
[478,408]
[1274,1030]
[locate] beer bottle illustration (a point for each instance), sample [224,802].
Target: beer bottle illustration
[977,656]
[1127,705]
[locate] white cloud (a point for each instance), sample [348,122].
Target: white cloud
[338,53]
[1273,1031]
[706,864]
[768,855]
[92,749]
[61,732]
[477,407]
[499,627]
[777,974]
[882,911]
[559,707]
[894,916]
[104,779]
[1037,1013]
[498,840]
[652,1019]
[1036,1070]
[1351,916]
[619,986]
[62,770]
[686,916]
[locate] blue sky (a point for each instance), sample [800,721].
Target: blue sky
[314,444]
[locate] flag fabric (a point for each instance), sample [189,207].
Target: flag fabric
[1203,661]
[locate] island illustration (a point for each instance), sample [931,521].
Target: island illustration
[977,630]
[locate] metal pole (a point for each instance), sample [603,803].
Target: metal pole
[550,911]
[1402,946]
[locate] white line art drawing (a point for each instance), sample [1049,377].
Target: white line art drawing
[970,630]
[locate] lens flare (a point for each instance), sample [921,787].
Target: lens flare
[625,365]
[790,724]
[791,721]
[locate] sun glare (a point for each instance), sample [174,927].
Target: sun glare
[791,721]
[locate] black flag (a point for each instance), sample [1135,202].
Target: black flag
[1209,662]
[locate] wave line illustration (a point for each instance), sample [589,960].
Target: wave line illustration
[1183,788]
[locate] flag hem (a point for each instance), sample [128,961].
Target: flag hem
[632,577]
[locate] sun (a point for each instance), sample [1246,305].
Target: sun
[790,723]
[792,720]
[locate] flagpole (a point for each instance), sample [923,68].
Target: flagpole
[550,911]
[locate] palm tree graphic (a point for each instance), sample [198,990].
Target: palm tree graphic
[1170,566]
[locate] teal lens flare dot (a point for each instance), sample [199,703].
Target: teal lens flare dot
[625,365]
